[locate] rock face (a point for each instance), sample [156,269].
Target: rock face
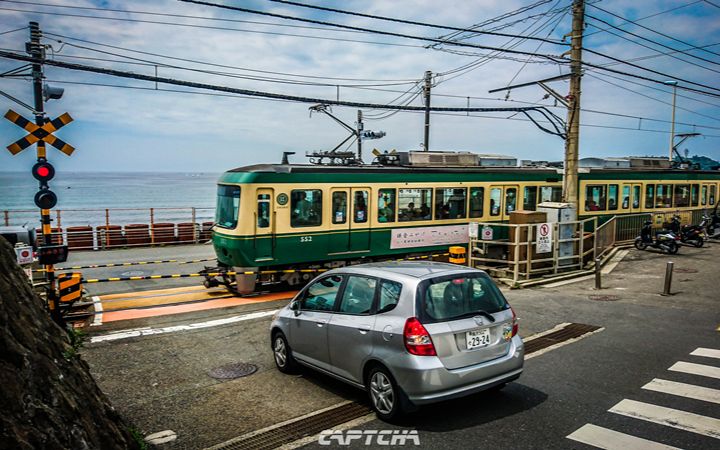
[48,399]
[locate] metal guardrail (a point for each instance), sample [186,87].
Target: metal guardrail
[518,259]
[572,247]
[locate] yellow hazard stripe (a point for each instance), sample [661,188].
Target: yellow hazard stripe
[71,296]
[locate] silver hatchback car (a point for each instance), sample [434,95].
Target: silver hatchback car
[410,333]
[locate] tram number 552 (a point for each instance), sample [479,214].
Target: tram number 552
[305,238]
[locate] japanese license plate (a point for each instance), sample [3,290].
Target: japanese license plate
[477,338]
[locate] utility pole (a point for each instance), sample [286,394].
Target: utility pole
[360,128]
[426,91]
[672,123]
[36,51]
[570,178]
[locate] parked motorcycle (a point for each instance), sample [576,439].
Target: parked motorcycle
[711,225]
[662,240]
[688,234]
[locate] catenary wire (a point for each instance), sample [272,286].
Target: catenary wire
[382,32]
[412,22]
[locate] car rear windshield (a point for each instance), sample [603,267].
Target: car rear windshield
[455,297]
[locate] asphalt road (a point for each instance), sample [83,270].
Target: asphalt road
[161,381]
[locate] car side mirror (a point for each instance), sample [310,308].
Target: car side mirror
[295,307]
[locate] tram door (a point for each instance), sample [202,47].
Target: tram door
[503,201]
[349,220]
[635,200]
[264,226]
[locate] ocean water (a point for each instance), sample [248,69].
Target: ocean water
[84,196]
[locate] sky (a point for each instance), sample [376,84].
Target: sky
[131,125]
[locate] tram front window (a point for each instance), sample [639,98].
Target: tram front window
[228,206]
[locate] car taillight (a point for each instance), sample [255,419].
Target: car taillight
[514,322]
[417,339]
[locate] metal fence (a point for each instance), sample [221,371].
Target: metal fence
[88,229]
[575,245]
[518,257]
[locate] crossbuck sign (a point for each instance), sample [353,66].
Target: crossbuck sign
[543,240]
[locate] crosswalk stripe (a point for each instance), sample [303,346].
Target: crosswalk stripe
[696,369]
[707,352]
[675,418]
[612,440]
[684,390]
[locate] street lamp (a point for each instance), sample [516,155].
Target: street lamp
[672,124]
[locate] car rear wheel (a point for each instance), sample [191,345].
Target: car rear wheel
[283,354]
[386,398]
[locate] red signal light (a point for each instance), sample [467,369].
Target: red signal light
[43,171]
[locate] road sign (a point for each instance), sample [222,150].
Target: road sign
[543,240]
[24,255]
[486,234]
[39,133]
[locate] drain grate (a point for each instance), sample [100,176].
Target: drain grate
[291,432]
[604,298]
[234,370]
[313,424]
[572,331]
[684,270]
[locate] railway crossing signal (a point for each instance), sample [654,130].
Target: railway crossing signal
[39,133]
[43,171]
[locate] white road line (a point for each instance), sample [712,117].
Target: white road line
[612,440]
[188,327]
[543,333]
[684,390]
[706,352]
[696,369]
[683,420]
[98,311]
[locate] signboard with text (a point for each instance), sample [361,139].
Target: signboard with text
[428,236]
[543,239]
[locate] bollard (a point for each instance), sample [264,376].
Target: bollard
[598,274]
[668,277]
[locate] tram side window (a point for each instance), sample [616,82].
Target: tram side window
[649,196]
[360,209]
[263,212]
[495,198]
[228,206]
[663,196]
[626,197]
[306,207]
[510,200]
[636,197]
[386,205]
[711,199]
[414,204]
[703,195]
[694,195]
[681,195]
[530,198]
[612,197]
[476,201]
[550,194]
[339,207]
[595,197]
[450,203]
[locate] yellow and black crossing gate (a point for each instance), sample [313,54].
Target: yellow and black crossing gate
[39,133]
[70,284]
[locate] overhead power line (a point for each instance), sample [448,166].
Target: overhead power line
[660,44]
[175,24]
[635,22]
[649,16]
[670,77]
[412,22]
[550,116]
[369,30]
